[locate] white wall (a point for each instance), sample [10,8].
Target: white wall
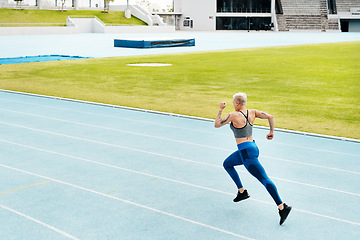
[37,30]
[84,25]
[87,3]
[201,11]
[140,29]
[141,13]
[81,4]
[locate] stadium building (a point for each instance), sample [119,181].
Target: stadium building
[277,15]
[249,15]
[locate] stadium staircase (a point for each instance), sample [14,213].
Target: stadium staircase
[344,6]
[305,15]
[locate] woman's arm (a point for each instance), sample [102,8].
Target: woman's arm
[219,122]
[270,118]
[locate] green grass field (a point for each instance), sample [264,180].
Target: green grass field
[56,16]
[313,88]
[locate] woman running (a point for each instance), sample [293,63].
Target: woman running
[241,123]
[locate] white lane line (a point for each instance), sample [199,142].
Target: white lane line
[319,150]
[152,136]
[316,186]
[117,130]
[184,142]
[172,157]
[163,125]
[312,165]
[129,202]
[111,166]
[116,117]
[321,215]
[133,171]
[184,183]
[39,222]
[109,144]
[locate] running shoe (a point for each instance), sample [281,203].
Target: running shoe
[241,196]
[284,213]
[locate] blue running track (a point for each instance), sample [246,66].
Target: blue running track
[76,170]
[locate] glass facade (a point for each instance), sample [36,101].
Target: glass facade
[243,23]
[331,6]
[244,6]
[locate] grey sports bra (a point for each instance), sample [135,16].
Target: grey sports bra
[245,131]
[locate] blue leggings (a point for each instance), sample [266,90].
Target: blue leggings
[248,154]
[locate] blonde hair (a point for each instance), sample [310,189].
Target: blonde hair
[240,98]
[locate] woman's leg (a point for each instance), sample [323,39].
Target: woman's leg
[229,163]
[250,156]
[257,170]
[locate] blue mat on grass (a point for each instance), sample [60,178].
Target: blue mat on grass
[153,43]
[39,58]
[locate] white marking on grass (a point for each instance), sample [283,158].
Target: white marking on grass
[149,64]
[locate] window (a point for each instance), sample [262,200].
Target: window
[244,6]
[243,23]
[331,6]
